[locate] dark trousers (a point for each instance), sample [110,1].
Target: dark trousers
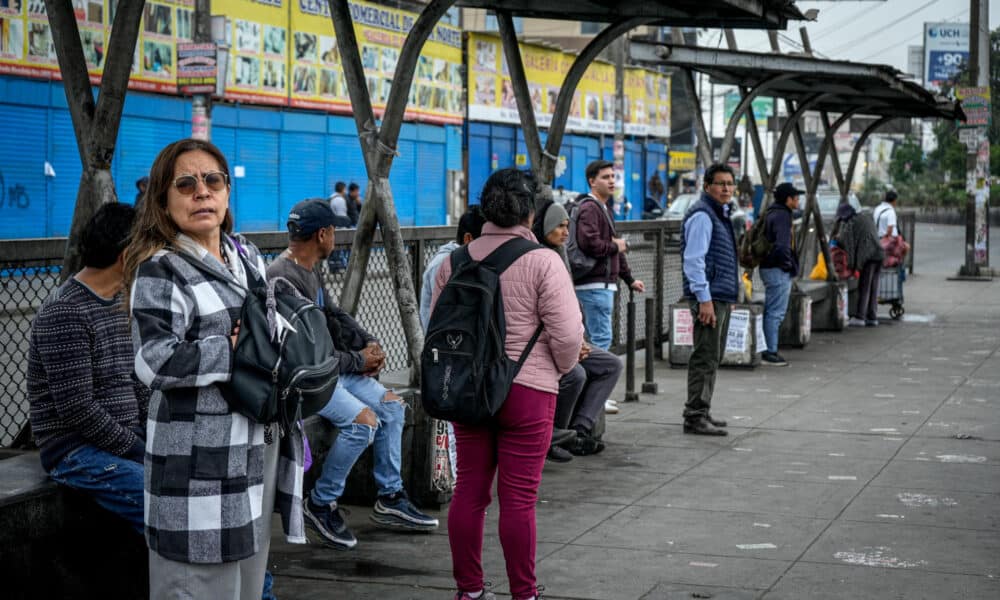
[709,343]
[584,389]
[867,308]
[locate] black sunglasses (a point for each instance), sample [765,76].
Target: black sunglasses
[214,180]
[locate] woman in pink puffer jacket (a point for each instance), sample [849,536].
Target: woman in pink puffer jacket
[536,289]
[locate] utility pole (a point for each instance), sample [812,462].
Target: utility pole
[976,105]
[201,103]
[618,48]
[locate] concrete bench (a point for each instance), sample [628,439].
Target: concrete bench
[58,543]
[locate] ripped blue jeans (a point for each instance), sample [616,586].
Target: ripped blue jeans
[353,394]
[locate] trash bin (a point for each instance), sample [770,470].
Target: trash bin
[796,328]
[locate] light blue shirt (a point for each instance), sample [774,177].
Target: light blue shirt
[697,237]
[427,285]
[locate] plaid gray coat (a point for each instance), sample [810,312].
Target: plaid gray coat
[204,463]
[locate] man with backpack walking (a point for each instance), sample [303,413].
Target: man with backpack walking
[711,285]
[597,256]
[778,267]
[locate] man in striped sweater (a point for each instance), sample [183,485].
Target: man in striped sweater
[88,411]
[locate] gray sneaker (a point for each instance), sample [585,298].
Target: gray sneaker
[328,522]
[395,511]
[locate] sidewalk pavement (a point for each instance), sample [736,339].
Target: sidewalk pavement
[869,468]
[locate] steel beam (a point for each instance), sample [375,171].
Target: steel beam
[525,109]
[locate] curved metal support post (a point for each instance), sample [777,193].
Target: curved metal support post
[747,98]
[779,146]
[519,81]
[812,205]
[857,148]
[557,128]
[399,93]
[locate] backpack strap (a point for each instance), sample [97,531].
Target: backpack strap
[499,260]
[506,254]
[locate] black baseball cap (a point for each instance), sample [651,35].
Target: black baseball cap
[309,216]
[786,190]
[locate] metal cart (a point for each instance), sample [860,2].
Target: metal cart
[890,289]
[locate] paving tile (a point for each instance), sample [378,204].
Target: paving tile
[897,545]
[772,465]
[693,532]
[950,450]
[841,582]
[846,445]
[729,494]
[961,477]
[617,574]
[925,507]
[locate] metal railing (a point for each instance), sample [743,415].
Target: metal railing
[29,272]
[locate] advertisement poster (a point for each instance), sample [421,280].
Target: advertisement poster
[258,50]
[683,327]
[738,336]
[946,49]
[317,79]
[491,93]
[27,47]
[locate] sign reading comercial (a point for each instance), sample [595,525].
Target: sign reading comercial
[946,49]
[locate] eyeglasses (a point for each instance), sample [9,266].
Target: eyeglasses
[214,180]
[731,184]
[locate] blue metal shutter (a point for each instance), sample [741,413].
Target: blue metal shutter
[346,162]
[23,206]
[403,180]
[303,169]
[479,159]
[140,140]
[431,196]
[255,196]
[65,159]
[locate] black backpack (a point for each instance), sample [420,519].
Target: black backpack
[465,372]
[285,366]
[755,245]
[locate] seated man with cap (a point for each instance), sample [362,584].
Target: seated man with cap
[778,268]
[363,410]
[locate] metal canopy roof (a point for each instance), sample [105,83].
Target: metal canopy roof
[877,90]
[735,14]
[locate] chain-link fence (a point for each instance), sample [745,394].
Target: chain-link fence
[29,271]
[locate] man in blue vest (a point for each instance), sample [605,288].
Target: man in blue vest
[711,284]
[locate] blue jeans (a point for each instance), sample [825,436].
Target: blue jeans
[353,394]
[778,286]
[598,308]
[115,483]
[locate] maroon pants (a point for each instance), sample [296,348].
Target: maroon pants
[514,449]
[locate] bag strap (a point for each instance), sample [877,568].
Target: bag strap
[530,345]
[507,253]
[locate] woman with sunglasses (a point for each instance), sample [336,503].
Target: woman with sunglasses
[211,473]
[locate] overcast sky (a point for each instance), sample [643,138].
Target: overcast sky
[865,30]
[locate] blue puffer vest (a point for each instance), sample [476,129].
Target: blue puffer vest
[721,269]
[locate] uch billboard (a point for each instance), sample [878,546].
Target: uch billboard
[946,49]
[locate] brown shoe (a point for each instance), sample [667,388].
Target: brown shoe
[702,426]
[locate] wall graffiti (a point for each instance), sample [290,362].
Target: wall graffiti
[15,197]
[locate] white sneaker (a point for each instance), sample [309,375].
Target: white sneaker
[856,322]
[610,407]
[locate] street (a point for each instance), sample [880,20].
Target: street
[869,468]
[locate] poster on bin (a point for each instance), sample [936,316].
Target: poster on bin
[683,327]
